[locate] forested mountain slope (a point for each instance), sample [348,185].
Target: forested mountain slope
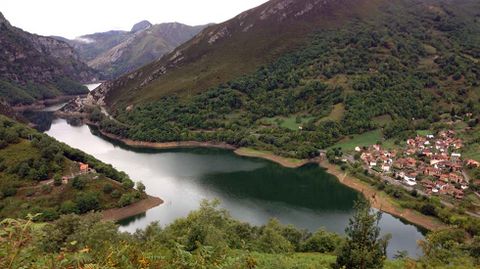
[404,60]
[115,53]
[35,67]
[225,51]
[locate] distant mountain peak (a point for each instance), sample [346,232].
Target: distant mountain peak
[141,26]
[3,20]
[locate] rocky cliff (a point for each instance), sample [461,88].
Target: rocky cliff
[35,67]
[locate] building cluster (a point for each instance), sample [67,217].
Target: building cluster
[434,161]
[83,169]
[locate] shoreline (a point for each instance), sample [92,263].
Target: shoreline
[41,104]
[285,162]
[244,152]
[381,201]
[166,145]
[377,199]
[142,206]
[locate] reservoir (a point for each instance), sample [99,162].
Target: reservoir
[252,190]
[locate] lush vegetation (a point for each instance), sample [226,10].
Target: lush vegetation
[409,62]
[40,175]
[210,238]
[15,93]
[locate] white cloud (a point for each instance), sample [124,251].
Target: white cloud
[70,18]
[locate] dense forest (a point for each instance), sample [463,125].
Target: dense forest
[210,238]
[408,64]
[33,168]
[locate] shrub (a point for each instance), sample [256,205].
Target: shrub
[127,184]
[57,180]
[429,210]
[126,199]
[321,241]
[78,183]
[107,188]
[87,202]
[140,187]
[68,207]
[9,191]
[115,194]
[46,189]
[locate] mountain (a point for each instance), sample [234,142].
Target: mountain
[36,67]
[118,52]
[238,46]
[143,25]
[295,77]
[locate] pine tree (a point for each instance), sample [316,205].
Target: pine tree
[363,249]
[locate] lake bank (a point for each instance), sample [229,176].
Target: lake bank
[378,199]
[285,162]
[381,201]
[244,152]
[253,190]
[42,104]
[142,206]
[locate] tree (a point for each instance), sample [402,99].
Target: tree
[126,199]
[78,183]
[87,202]
[57,180]
[321,241]
[140,187]
[363,247]
[127,184]
[272,241]
[108,188]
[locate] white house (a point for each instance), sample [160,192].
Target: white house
[386,168]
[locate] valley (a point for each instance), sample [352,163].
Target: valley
[296,134]
[252,190]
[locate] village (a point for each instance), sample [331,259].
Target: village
[432,163]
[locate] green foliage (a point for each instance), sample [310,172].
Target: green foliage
[87,202]
[79,182]
[363,247]
[323,242]
[29,157]
[140,187]
[272,240]
[448,247]
[126,199]
[57,180]
[207,238]
[107,188]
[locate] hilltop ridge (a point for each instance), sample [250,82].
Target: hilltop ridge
[115,53]
[34,67]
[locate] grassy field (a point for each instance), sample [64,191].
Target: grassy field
[424,132]
[17,153]
[382,120]
[472,152]
[365,139]
[337,113]
[290,122]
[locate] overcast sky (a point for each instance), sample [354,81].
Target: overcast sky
[72,18]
